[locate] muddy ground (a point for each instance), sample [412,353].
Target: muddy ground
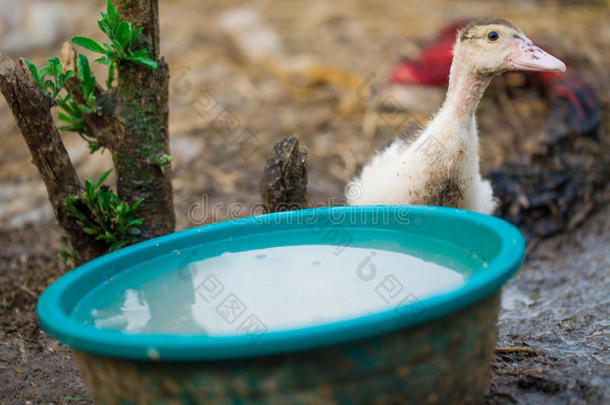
[305,74]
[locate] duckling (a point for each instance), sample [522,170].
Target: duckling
[441,166]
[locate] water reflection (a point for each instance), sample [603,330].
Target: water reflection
[135,314]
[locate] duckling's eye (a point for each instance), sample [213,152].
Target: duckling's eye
[493,36]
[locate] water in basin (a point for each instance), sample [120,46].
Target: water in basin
[268,289]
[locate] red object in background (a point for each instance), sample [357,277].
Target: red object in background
[432,66]
[574,105]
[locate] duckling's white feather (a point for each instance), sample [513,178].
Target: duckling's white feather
[441,167]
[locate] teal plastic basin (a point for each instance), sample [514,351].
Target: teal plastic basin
[429,350]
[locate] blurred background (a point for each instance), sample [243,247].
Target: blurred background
[321,70]
[281,68]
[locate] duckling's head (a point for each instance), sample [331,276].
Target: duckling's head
[493,46]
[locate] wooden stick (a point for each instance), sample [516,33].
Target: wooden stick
[514,349]
[284,183]
[32,112]
[28,291]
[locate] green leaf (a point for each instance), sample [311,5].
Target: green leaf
[123,33]
[110,9]
[137,221]
[69,128]
[104,26]
[91,231]
[34,72]
[48,84]
[31,67]
[76,213]
[104,60]
[54,64]
[88,187]
[136,34]
[82,69]
[63,117]
[85,109]
[89,44]
[139,54]
[118,48]
[102,178]
[147,62]
[137,204]
[43,71]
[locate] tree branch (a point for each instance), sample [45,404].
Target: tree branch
[284,183]
[142,108]
[32,112]
[107,130]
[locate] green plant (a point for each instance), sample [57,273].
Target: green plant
[98,209]
[51,80]
[164,161]
[122,37]
[86,86]
[46,85]
[101,214]
[68,256]
[75,118]
[129,119]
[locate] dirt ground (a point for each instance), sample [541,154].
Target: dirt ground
[304,73]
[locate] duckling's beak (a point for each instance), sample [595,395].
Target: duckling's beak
[530,57]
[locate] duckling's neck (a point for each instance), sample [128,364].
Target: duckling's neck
[466,87]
